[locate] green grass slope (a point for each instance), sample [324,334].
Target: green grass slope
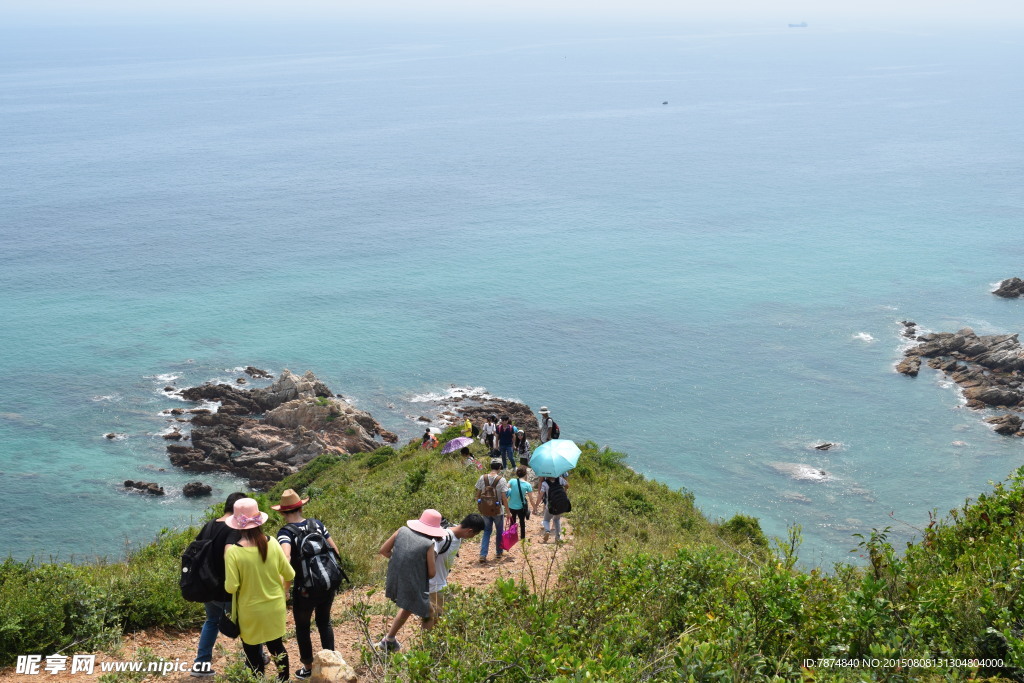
[653,590]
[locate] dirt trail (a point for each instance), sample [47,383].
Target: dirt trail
[350,642]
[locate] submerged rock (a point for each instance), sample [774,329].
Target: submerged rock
[149,487]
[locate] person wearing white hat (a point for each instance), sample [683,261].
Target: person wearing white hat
[411,564]
[257,574]
[545,423]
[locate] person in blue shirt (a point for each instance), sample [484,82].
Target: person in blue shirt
[518,503]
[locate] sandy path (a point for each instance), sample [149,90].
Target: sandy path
[349,638]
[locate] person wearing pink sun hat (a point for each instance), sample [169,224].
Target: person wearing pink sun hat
[411,554]
[257,574]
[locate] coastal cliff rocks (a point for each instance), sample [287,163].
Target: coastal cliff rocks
[988,369]
[1011,288]
[1008,425]
[267,434]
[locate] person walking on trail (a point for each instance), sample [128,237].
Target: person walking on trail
[491,500]
[467,428]
[555,504]
[521,445]
[447,550]
[311,599]
[518,503]
[506,435]
[489,428]
[220,535]
[534,481]
[411,564]
[545,423]
[258,574]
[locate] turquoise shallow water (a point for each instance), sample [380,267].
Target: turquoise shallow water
[712,285]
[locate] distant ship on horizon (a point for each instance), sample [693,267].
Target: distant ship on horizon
[802,24]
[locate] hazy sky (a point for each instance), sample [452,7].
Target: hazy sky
[999,12]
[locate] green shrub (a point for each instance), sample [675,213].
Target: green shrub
[744,528]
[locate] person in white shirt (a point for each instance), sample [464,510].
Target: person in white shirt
[447,550]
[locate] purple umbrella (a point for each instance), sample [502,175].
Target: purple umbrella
[456,444]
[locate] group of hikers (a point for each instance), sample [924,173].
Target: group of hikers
[243,575]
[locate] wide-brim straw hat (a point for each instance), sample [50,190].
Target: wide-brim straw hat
[289,501]
[429,523]
[544,410]
[246,515]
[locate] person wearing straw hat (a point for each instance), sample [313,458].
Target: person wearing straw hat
[257,574]
[411,554]
[305,602]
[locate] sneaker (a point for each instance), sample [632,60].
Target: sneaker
[266,657]
[388,646]
[201,671]
[547,535]
[303,673]
[483,560]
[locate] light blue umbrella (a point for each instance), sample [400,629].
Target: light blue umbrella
[553,458]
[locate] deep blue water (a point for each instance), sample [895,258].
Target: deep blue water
[712,284]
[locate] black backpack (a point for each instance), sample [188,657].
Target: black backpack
[475,432]
[318,569]
[198,582]
[558,499]
[556,433]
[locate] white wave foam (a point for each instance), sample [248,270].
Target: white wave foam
[864,337]
[801,471]
[166,377]
[212,406]
[454,392]
[109,397]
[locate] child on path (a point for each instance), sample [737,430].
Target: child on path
[447,550]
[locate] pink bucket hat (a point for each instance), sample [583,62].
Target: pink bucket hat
[247,515]
[429,523]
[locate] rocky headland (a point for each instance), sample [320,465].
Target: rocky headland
[266,434]
[989,370]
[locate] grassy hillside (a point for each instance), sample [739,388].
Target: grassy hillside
[656,591]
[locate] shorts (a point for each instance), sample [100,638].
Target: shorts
[436,605]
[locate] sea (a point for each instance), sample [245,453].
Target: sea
[693,242]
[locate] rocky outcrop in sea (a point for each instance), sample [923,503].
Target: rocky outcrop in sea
[266,434]
[1011,288]
[988,369]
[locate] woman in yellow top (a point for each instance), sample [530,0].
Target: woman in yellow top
[257,574]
